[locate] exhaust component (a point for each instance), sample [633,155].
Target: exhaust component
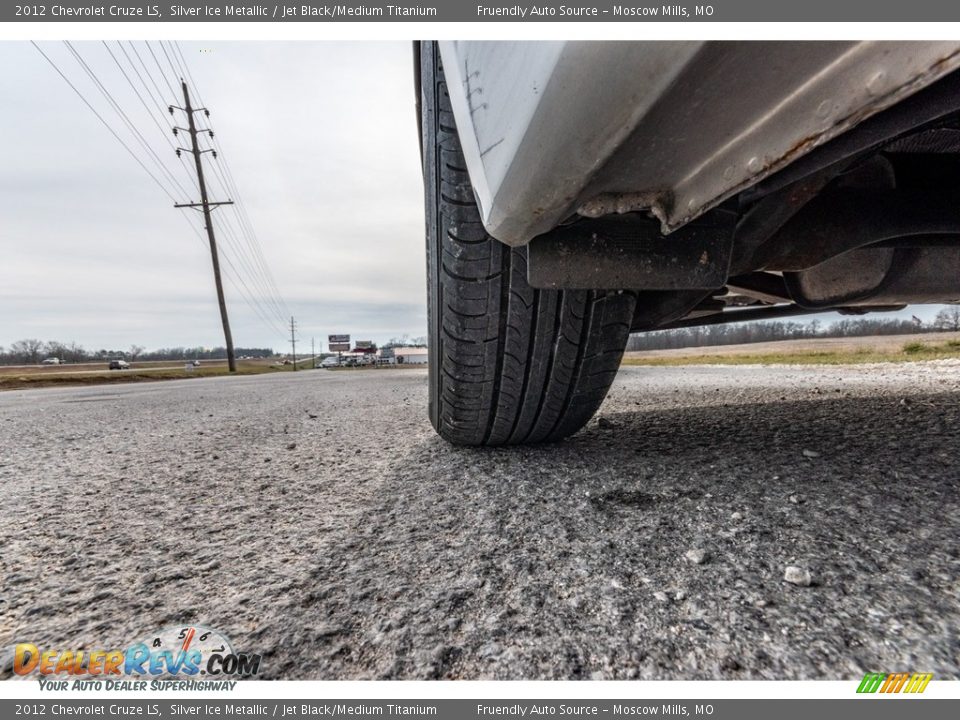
[838,222]
[879,276]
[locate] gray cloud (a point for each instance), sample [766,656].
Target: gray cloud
[322,140]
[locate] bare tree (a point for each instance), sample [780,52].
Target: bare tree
[401,341]
[27,351]
[74,353]
[135,351]
[738,333]
[948,319]
[55,349]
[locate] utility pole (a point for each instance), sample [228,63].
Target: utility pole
[293,341]
[206,206]
[313,352]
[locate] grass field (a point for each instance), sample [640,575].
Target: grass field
[827,351]
[33,376]
[12,378]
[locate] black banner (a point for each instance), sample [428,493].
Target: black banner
[481,11]
[874,708]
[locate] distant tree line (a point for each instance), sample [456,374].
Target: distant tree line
[198,353]
[33,352]
[752,332]
[407,341]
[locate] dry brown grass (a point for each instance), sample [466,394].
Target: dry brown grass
[18,377]
[824,351]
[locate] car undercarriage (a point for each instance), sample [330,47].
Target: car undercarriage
[836,191]
[868,222]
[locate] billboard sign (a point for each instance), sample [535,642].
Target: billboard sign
[364,344]
[339,347]
[340,339]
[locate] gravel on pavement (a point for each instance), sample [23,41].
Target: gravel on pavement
[737,522]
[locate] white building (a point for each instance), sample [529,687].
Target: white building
[410,355]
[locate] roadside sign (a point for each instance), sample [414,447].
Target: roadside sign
[339,347]
[339,339]
[364,344]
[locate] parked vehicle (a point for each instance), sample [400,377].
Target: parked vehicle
[329,362]
[119,365]
[51,361]
[580,191]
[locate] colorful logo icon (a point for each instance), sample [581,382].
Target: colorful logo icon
[894,682]
[173,652]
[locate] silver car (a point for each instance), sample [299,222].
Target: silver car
[580,191]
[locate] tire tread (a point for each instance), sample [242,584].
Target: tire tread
[510,364]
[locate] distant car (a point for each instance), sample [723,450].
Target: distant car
[577,192]
[329,362]
[196,363]
[51,361]
[119,365]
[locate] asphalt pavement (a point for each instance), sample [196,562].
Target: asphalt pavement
[315,518]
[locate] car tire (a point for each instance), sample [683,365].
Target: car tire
[508,363]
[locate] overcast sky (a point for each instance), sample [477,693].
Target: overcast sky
[322,141]
[321,138]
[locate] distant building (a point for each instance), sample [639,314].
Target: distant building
[410,355]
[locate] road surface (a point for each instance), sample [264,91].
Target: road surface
[315,518]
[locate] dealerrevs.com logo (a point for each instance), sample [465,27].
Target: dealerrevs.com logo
[887,683]
[174,658]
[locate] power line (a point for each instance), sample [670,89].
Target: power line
[238,241]
[238,246]
[126,119]
[180,67]
[175,73]
[293,340]
[230,237]
[173,92]
[223,223]
[236,280]
[230,183]
[247,232]
[244,261]
[163,131]
[233,275]
[244,218]
[260,268]
[176,46]
[159,94]
[206,205]
[104,122]
[246,224]
[156,99]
